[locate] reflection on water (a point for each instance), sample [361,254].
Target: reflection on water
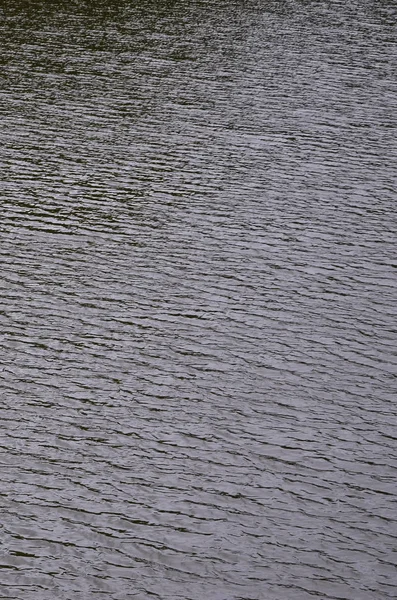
[198,300]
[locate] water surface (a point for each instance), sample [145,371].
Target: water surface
[198,300]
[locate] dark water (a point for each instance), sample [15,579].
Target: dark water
[198,300]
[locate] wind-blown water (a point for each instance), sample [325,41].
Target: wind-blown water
[198,300]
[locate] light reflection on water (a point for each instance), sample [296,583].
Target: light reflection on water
[198,300]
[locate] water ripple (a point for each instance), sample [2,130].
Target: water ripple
[198,292]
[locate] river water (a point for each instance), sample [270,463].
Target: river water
[198,300]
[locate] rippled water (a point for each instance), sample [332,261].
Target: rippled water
[198,300]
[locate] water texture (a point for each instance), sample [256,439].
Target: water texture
[198,300]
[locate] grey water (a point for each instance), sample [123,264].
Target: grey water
[198,300]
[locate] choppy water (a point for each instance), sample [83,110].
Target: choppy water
[198,300]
